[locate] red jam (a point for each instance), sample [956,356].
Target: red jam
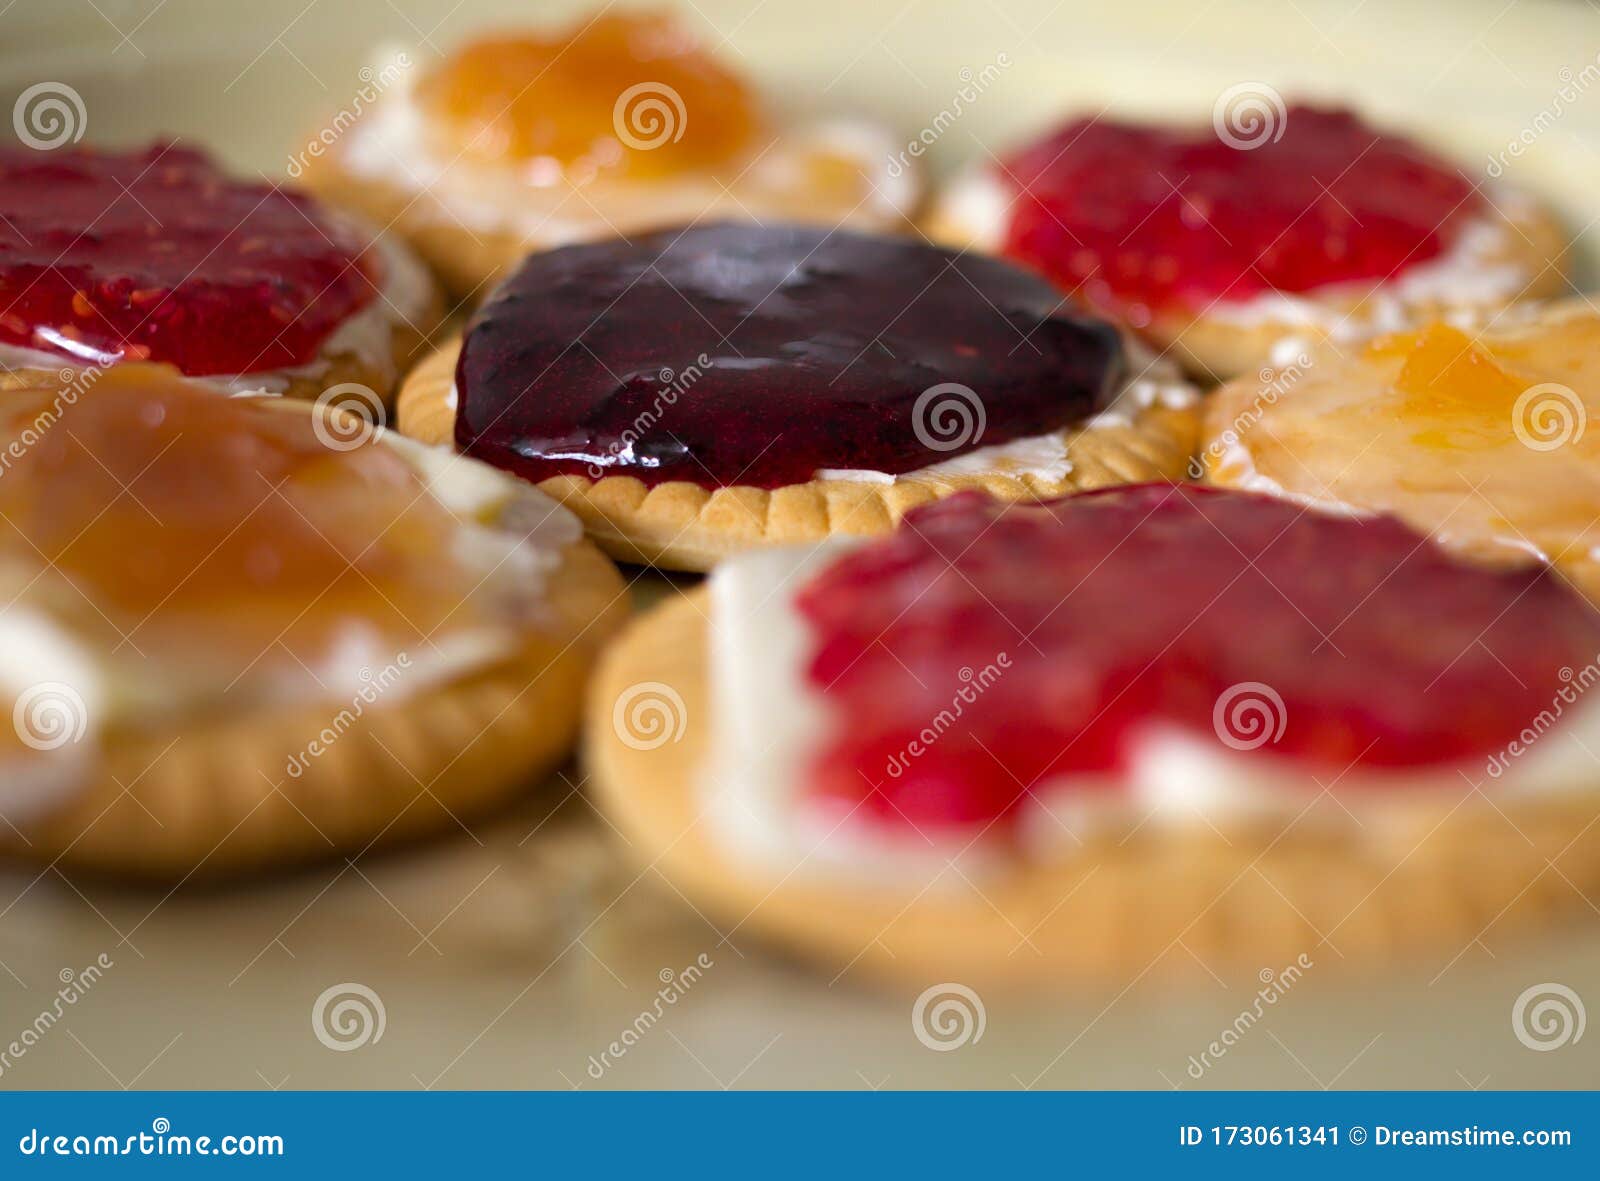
[737,354]
[1142,219]
[157,255]
[984,650]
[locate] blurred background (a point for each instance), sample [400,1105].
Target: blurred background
[514,954]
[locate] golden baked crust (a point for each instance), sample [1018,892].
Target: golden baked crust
[682,526]
[1214,347]
[1433,877]
[213,798]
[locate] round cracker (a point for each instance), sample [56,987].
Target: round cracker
[682,526]
[213,796]
[1413,877]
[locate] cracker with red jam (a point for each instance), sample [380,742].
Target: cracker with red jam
[156,254]
[1136,729]
[1218,242]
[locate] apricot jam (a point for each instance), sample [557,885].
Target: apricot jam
[1141,219]
[738,354]
[1043,643]
[158,255]
[625,93]
[1445,368]
[171,510]
[1466,396]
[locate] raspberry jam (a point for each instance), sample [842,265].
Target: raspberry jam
[177,518]
[734,354]
[1140,219]
[157,255]
[984,650]
[631,93]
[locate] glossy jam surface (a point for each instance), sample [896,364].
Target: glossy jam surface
[1036,642]
[157,255]
[223,523]
[1453,384]
[1141,218]
[757,356]
[1484,441]
[629,93]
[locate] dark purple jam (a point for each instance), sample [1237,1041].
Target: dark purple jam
[738,354]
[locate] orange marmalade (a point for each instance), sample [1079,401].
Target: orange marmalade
[632,94]
[162,515]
